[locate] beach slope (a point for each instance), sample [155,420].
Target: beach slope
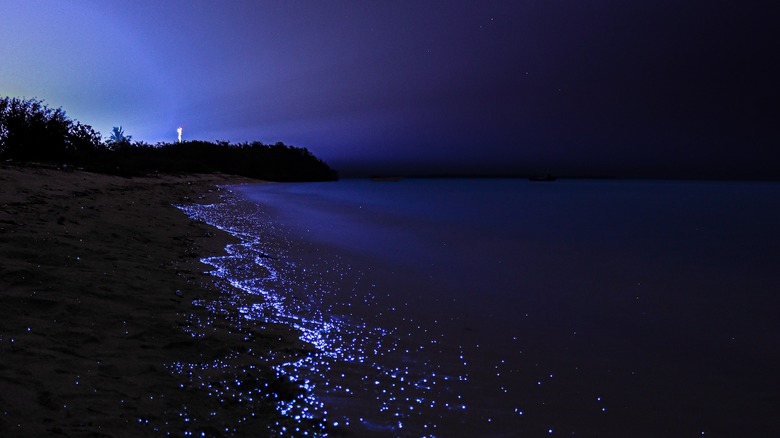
[98,275]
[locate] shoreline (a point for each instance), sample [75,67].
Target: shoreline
[99,280]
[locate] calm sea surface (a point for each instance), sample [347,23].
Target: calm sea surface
[517,308]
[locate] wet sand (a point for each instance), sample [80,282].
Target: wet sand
[98,275]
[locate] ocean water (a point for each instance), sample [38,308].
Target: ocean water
[499,308]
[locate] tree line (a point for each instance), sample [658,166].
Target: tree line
[31,131]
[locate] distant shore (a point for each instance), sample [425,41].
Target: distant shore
[98,275]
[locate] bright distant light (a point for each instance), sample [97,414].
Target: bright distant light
[179,132]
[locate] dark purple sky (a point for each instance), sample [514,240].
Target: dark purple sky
[611,87]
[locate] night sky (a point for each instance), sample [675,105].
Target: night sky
[585,87]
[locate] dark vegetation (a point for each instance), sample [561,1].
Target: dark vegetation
[30,131]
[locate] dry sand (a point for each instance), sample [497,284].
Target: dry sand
[97,280]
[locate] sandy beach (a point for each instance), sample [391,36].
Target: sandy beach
[98,275]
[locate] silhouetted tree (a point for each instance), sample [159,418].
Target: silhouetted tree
[83,139]
[30,130]
[118,137]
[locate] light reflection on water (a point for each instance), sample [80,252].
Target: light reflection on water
[352,366]
[490,310]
